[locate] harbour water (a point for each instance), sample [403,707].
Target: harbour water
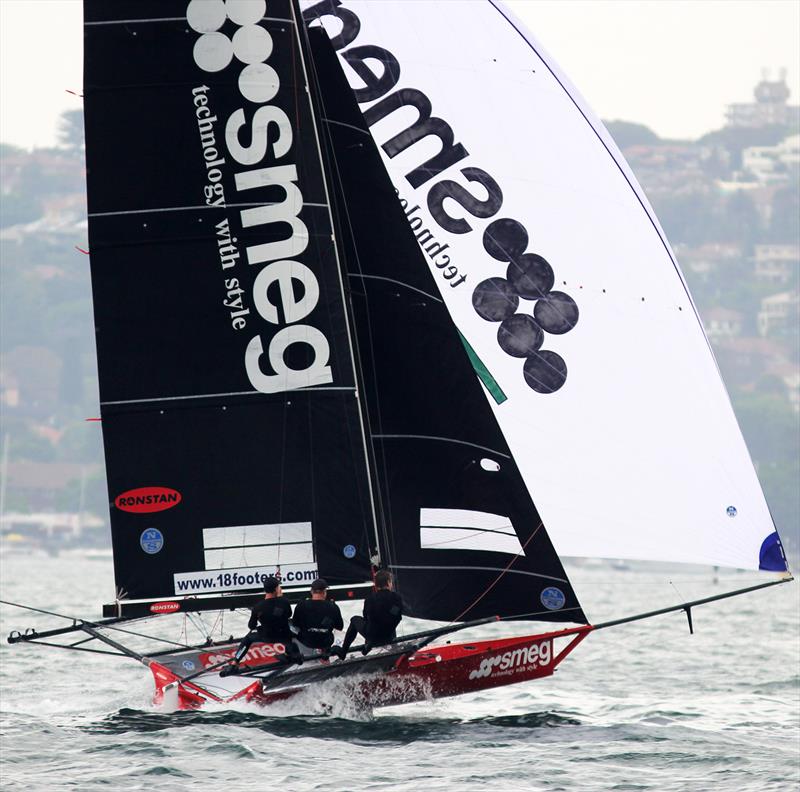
[644,706]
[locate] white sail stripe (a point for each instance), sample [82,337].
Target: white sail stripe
[443,439]
[469,530]
[434,538]
[465,518]
[254,544]
[192,208]
[480,568]
[235,393]
[392,280]
[168,19]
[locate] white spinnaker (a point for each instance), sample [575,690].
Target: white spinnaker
[638,455]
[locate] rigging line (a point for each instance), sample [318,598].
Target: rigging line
[77,648]
[194,618]
[471,529]
[310,389]
[97,625]
[443,439]
[538,613]
[692,604]
[437,545]
[167,19]
[157,210]
[349,126]
[459,568]
[392,280]
[497,579]
[676,589]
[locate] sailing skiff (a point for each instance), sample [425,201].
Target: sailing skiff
[373,287]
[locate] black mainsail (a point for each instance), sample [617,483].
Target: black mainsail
[234,445]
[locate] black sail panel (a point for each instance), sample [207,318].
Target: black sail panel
[233,442]
[463,535]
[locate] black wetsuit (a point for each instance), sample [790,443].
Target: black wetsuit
[383,610]
[269,622]
[271,618]
[316,620]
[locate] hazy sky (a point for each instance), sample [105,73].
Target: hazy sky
[670,64]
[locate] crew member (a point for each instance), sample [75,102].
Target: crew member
[269,622]
[317,618]
[383,610]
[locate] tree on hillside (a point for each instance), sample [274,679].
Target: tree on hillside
[70,131]
[626,133]
[785,220]
[740,221]
[735,139]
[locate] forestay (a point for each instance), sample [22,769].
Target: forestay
[556,271]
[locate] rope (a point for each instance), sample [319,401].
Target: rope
[497,579]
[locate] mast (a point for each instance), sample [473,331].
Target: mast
[302,38]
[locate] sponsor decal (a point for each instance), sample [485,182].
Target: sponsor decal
[151,541]
[242,578]
[188,665]
[165,607]
[731,511]
[523,302]
[258,654]
[249,152]
[525,658]
[145,500]
[553,598]
[349,551]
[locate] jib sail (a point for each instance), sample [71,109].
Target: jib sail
[463,537]
[554,268]
[233,440]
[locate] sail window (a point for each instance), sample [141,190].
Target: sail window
[463,529]
[257,545]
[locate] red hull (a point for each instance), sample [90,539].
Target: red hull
[436,672]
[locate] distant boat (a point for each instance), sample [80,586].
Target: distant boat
[459,354]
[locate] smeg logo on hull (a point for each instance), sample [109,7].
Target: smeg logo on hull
[147,499]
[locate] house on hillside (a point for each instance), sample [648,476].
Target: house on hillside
[789,375]
[706,260]
[773,163]
[722,323]
[779,313]
[40,484]
[776,263]
[770,108]
[744,361]
[670,168]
